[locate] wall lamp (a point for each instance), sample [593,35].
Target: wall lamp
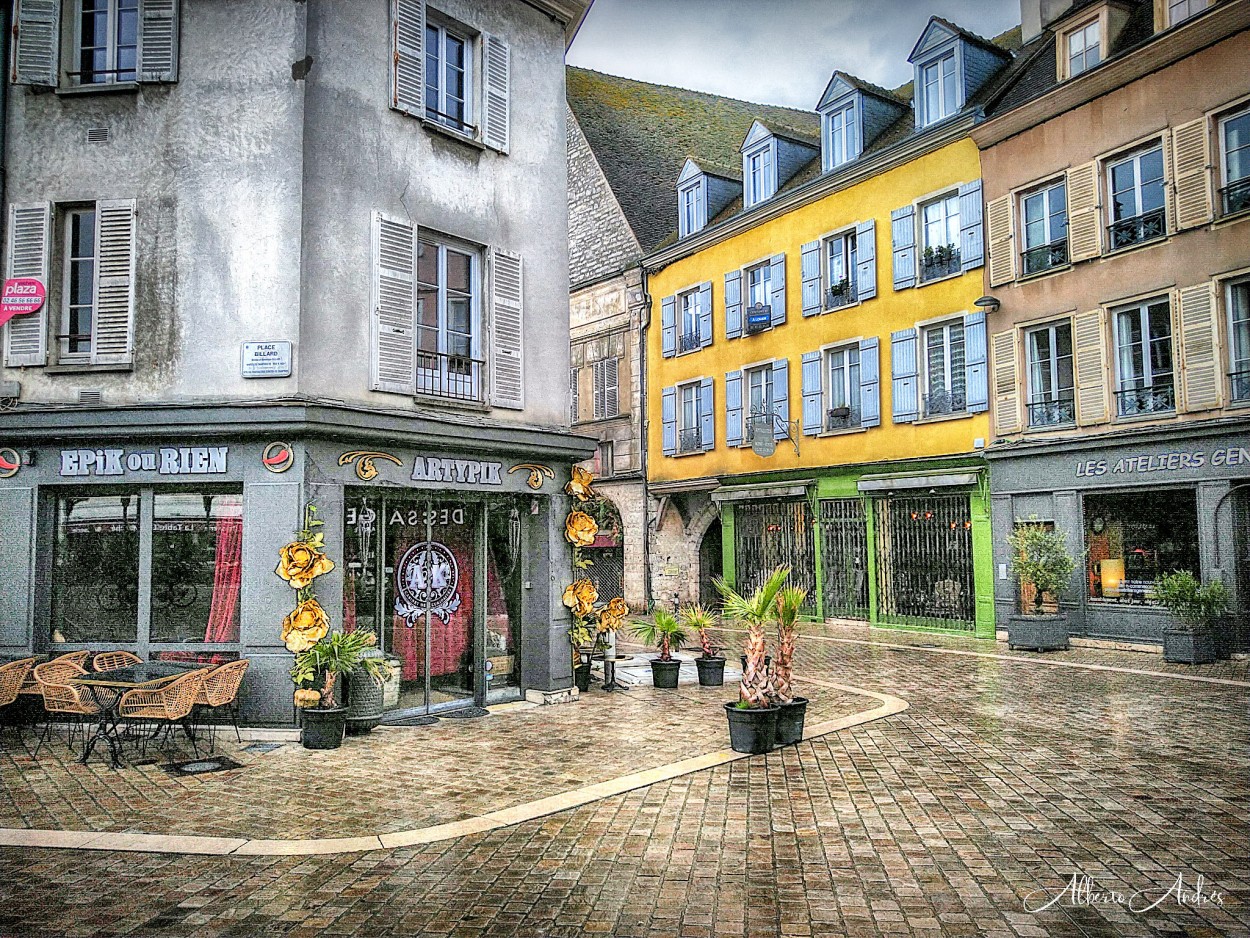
[988,303]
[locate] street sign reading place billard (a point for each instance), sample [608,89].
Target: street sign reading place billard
[21,295]
[266,359]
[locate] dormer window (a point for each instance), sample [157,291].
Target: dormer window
[692,207]
[951,65]
[939,90]
[760,174]
[1181,10]
[1084,50]
[842,136]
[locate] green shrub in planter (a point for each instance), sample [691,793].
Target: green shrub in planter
[1040,560]
[1195,606]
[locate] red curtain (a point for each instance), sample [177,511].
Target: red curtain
[223,621]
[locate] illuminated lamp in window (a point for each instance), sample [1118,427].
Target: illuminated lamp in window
[1112,576]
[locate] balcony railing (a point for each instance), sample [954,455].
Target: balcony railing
[1044,257]
[689,440]
[456,377]
[1054,413]
[1139,228]
[1159,398]
[688,342]
[842,418]
[939,403]
[1239,382]
[842,293]
[758,318]
[939,262]
[1236,196]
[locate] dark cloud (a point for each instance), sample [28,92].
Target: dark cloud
[770,51]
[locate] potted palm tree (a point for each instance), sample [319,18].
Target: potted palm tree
[316,672]
[753,718]
[1043,566]
[711,663]
[1195,606]
[793,709]
[666,633]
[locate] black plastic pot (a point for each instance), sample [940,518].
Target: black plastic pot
[581,677]
[664,673]
[752,729]
[790,721]
[1182,646]
[364,698]
[323,729]
[711,671]
[768,662]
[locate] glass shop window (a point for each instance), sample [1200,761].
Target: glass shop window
[1132,538]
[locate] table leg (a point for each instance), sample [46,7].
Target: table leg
[609,677]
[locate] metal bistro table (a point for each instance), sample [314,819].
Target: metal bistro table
[106,689]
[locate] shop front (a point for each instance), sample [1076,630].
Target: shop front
[1131,508]
[146,535]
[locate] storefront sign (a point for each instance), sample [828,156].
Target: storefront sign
[167,461]
[21,295]
[277,457]
[10,463]
[465,471]
[1228,456]
[266,359]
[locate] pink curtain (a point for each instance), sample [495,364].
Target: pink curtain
[223,622]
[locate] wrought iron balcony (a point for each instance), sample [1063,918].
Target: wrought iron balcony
[842,418]
[1054,413]
[1044,257]
[689,440]
[1240,385]
[688,342]
[939,262]
[758,318]
[1236,196]
[842,293]
[1159,398]
[457,377]
[1139,228]
[940,403]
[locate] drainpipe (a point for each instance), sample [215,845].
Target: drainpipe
[643,322]
[6,47]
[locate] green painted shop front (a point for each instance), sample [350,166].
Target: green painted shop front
[901,546]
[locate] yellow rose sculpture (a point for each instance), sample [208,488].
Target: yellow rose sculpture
[579,484]
[306,625]
[300,563]
[307,697]
[580,596]
[580,529]
[612,616]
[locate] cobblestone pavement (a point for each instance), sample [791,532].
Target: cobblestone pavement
[1005,778]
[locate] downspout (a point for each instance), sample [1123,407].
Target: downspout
[6,10]
[643,322]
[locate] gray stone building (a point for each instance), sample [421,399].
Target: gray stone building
[294,253]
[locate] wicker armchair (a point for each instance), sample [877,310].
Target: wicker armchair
[112,660]
[166,705]
[31,686]
[12,676]
[59,696]
[221,691]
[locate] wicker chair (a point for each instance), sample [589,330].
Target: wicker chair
[221,691]
[12,676]
[112,660]
[31,686]
[59,696]
[166,705]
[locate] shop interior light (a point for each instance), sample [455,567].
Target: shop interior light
[1112,577]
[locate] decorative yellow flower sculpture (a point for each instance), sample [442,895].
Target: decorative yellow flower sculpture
[579,484]
[580,596]
[580,529]
[306,625]
[612,616]
[307,697]
[300,563]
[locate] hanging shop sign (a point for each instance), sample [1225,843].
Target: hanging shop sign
[266,359]
[21,295]
[166,461]
[1145,464]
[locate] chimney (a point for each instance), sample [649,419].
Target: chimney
[1036,15]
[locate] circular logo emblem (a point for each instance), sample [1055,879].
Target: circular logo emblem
[427,578]
[10,463]
[278,457]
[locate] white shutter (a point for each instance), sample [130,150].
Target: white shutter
[158,40]
[866,259]
[1089,347]
[971,234]
[36,42]
[1084,213]
[507,331]
[394,270]
[809,265]
[1002,239]
[496,104]
[112,334]
[1006,383]
[1200,344]
[408,57]
[1191,157]
[26,255]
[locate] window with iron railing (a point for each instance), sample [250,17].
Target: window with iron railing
[1137,199]
[1144,359]
[1239,346]
[842,392]
[840,260]
[689,427]
[1044,217]
[689,440]
[945,374]
[447,357]
[1051,399]
[1235,149]
[939,230]
[456,377]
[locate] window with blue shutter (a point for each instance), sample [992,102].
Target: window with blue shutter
[668,420]
[705,315]
[781,398]
[810,267]
[975,365]
[707,416]
[733,304]
[904,395]
[903,233]
[668,326]
[866,259]
[778,283]
[870,383]
[733,408]
[971,235]
[813,394]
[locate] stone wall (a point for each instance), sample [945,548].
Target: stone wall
[601,243]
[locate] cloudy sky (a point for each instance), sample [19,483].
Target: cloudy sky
[769,51]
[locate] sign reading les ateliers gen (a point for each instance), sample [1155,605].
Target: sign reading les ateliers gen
[1223,457]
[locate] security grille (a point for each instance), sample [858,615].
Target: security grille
[607,571]
[924,561]
[844,558]
[769,534]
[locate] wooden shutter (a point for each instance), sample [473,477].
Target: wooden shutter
[112,341]
[809,266]
[1089,348]
[866,259]
[976,382]
[781,398]
[707,416]
[1200,347]
[1006,383]
[611,387]
[999,215]
[393,368]
[733,408]
[813,393]
[1084,212]
[26,255]
[733,304]
[496,105]
[777,284]
[971,235]
[408,57]
[870,382]
[668,326]
[158,40]
[705,315]
[574,395]
[903,231]
[668,421]
[508,331]
[905,394]
[1191,156]
[37,43]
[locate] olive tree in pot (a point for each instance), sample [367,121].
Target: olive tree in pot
[1042,564]
[711,663]
[753,719]
[665,633]
[793,709]
[1195,606]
